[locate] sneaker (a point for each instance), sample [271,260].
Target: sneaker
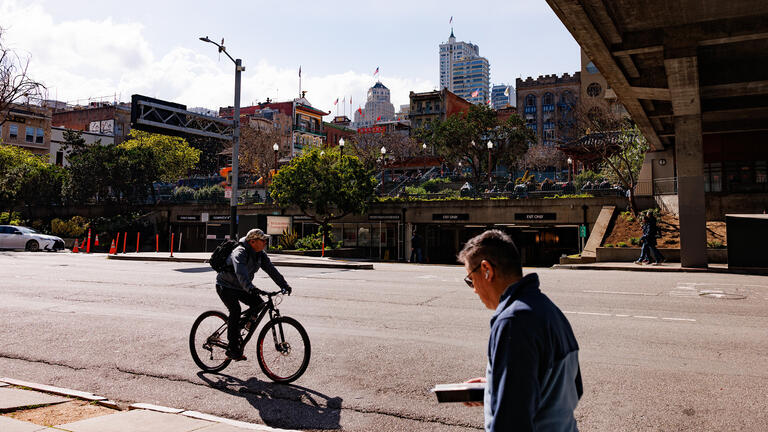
[638,262]
[236,357]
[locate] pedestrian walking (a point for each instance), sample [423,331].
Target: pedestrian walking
[416,248]
[648,248]
[533,379]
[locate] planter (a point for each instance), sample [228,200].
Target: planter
[619,254]
[330,253]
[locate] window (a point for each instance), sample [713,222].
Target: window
[30,136]
[594,89]
[13,132]
[591,68]
[40,136]
[59,158]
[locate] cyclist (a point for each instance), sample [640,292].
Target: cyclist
[236,285]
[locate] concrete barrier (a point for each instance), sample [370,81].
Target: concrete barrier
[619,254]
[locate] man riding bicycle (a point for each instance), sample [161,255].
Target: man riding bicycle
[235,284]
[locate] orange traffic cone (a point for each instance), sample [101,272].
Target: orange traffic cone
[76,248]
[97,239]
[113,248]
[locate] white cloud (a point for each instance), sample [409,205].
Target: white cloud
[86,59]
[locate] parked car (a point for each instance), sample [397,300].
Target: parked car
[18,237]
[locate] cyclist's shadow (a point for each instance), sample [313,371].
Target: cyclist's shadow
[281,405]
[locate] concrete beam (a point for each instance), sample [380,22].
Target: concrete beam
[643,50]
[683,81]
[576,20]
[735,115]
[651,93]
[734,89]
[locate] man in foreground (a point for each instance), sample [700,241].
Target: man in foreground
[533,380]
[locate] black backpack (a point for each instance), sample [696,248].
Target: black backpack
[218,259]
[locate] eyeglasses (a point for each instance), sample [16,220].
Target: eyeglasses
[468,279]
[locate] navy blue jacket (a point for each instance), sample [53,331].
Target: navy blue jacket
[533,375]
[247,262]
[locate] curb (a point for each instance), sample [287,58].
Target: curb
[351,266]
[636,268]
[139,406]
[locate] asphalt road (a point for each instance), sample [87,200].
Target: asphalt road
[658,351]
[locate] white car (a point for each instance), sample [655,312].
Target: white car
[18,237]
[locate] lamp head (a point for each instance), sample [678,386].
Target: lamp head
[275,147]
[490,145]
[205,39]
[383,150]
[341,142]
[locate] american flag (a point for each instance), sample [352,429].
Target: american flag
[475,93]
[450,20]
[377,71]
[336,101]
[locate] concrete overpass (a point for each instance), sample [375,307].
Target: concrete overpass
[693,76]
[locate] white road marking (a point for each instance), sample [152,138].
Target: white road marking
[629,316]
[619,292]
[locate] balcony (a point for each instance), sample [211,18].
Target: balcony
[313,131]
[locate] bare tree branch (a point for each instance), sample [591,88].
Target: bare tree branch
[15,83]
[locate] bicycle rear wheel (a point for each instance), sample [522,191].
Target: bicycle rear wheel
[283,350]
[208,341]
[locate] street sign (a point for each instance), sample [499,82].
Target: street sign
[228,192]
[583,231]
[168,118]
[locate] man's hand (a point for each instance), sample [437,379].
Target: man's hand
[475,380]
[286,290]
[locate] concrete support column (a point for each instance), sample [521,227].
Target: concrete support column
[683,81]
[690,191]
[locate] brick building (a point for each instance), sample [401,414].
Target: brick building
[434,105]
[102,118]
[547,104]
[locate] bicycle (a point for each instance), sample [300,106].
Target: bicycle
[283,361]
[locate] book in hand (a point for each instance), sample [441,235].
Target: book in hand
[460,392]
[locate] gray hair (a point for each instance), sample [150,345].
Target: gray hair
[495,247]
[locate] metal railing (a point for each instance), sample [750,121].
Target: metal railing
[665,186]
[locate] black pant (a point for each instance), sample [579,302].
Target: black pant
[232,299]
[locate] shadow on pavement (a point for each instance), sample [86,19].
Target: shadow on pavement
[194,270]
[281,405]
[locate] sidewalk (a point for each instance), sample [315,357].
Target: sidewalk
[32,407]
[278,260]
[628,266]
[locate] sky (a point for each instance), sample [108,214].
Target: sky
[83,49]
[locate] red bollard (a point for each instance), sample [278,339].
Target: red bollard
[172,235]
[157,243]
[125,240]
[322,253]
[88,247]
[137,242]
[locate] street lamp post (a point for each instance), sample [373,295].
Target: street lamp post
[383,162]
[490,147]
[341,147]
[570,161]
[235,138]
[275,147]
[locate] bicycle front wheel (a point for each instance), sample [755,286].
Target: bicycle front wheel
[208,341]
[283,350]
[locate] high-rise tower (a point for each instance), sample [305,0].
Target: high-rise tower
[463,71]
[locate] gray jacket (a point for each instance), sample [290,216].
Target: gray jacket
[247,262]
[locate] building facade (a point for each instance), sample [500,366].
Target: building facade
[104,118]
[463,71]
[59,153]
[502,96]
[378,108]
[434,105]
[29,127]
[547,105]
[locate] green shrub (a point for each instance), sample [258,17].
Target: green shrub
[415,190]
[314,241]
[621,244]
[628,216]
[288,239]
[715,244]
[608,245]
[12,218]
[449,193]
[213,193]
[433,185]
[183,193]
[580,195]
[634,241]
[75,227]
[581,178]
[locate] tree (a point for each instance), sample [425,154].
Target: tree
[257,156]
[324,187]
[174,157]
[15,84]
[462,138]
[26,179]
[540,157]
[616,142]
[367,147]
[210,149]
